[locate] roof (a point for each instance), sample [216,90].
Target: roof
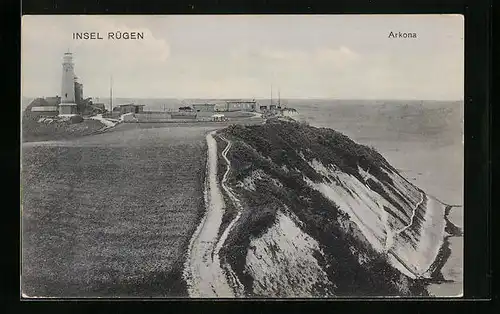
[242,101]
[44,108]
[123,105]
[39,102]
[203,105]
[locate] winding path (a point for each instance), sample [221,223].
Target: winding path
[397,232]
[203,272]
[412,215]
[107,123]
[390,234]
[235,283]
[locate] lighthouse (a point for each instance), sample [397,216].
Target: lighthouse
[68,107]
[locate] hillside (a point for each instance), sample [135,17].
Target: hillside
[325,216]
[32,130]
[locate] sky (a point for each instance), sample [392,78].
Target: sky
[242,56]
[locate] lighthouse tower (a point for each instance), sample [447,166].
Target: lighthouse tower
[68,107]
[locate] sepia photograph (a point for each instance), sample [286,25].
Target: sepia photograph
[242,156]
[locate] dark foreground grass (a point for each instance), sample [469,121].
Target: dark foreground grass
[110,221]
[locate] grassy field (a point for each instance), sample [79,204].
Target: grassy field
[33,131]
[111,214]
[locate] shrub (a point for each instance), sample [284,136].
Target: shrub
[76,119]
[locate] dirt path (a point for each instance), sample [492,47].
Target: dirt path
[203,272]
[390,234]
[234,281]
[412,215]
[107,123]
[397,232]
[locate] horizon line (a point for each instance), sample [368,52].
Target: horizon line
[262,98]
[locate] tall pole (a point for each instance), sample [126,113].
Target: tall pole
[279,98]
[271,95]
[111,93]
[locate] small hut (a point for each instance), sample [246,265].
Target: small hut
[218,117]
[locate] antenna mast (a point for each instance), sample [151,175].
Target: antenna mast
[111,93]
[279,98]
[271,94]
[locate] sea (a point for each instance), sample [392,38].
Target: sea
[422,139]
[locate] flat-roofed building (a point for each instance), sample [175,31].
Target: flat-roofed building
[43,107]
[240,105]
[206,107]
[129,108]
[184,115]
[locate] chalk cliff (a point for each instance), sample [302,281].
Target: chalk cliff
[321,215]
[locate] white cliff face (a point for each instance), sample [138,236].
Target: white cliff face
[282,263]
[388,231]
[411,239]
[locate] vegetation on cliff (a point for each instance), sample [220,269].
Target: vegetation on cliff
[278,155]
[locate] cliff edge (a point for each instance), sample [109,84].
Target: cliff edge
[320,215]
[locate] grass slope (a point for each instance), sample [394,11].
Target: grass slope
[110,221]
[34,131]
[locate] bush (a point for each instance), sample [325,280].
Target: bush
[76,119]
